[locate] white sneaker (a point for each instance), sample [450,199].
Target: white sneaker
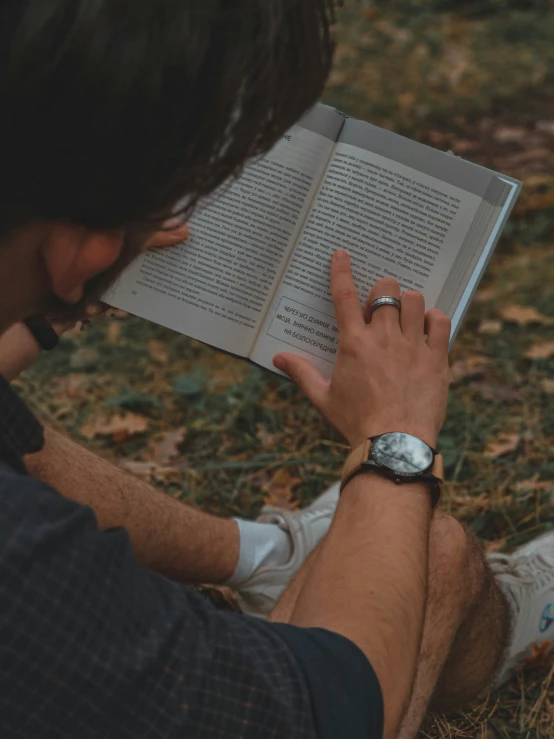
[527,579]
[307,527]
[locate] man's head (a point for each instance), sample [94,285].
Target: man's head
[112,111]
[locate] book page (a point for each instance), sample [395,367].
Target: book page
[485,253]
[394,219]
[217,285]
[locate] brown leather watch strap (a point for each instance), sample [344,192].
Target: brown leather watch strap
[354,461]
[437,470]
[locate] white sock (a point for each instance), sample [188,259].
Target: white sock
[261,545]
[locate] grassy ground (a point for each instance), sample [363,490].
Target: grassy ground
[477,79]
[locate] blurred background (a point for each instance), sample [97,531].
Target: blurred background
[472,76]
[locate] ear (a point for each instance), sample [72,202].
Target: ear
[73,254]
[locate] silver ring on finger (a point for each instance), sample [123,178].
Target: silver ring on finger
[384,300]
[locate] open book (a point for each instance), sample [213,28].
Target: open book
[253,276]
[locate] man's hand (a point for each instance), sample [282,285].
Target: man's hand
[369,579]
[389,376]
[18,348]
[174,232]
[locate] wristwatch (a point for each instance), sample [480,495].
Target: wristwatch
[400,457]
[42,331]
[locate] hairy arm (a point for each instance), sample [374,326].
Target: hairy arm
[167,535]
[368,579]
[369,582]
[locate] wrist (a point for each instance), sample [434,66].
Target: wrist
[370,484]
[18,349]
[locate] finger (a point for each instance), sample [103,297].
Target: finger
[345,296]
[437,327]
[95,309]
[386,316]
[60,327]
[169,237]
[412,315]
[305,375]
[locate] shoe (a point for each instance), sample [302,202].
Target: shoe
[306,527]
[527,580]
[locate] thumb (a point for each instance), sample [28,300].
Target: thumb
[305,375]
[169,236]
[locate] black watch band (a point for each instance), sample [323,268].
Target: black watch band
[433,484]
[43,332]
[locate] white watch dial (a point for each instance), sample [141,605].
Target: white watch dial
[402,453]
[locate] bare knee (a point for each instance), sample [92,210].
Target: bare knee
[456,559]
[462,587]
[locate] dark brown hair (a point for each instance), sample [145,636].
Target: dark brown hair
[111,111]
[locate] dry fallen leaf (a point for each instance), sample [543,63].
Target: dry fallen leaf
[166,447]
[73,385]
[112,334]
[157,351]
[63,412]
[464,146]
[266,438]
[510,135]
[540,656]
[541,155]
[489,732]
[533,485]
[336,78]
[406,100]
[495,546]
[457,60]
[523,315]
[490,327]
[136,467]
[485,294]
[222,597]
[119,427]
[548,386]
[84,358]
[502,444]
[542,350]
[279,490]
[504,393]
[438,138]
[545,127]
[470,366]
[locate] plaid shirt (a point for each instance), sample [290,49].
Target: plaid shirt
[92,644]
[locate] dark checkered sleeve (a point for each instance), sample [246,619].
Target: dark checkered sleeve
[94,645]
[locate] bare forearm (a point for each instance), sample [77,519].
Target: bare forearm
[369,581]
[167,536]
[18,350]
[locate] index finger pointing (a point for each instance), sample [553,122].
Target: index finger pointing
[345,296]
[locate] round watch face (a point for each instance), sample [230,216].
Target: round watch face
[402,453]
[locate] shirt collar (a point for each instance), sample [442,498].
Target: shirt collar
[20,431]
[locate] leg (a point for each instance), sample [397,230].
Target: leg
[466,625]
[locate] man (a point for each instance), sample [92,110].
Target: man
[111,113]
